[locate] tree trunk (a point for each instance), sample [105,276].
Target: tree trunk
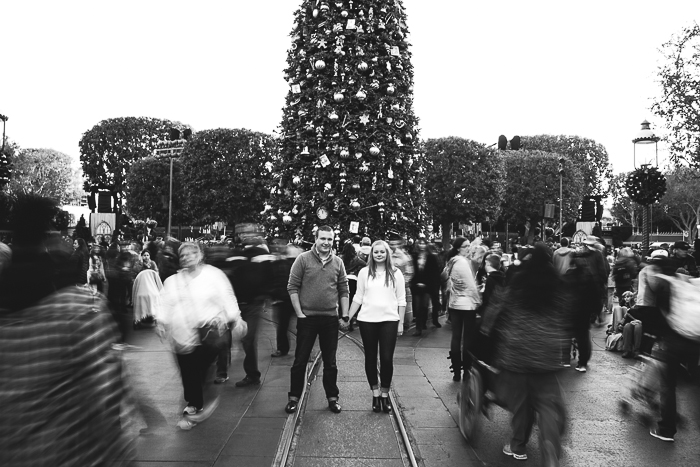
[446,235]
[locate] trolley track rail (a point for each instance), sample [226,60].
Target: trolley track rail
[285,451]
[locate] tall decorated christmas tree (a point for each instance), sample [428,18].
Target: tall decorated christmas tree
[349,148]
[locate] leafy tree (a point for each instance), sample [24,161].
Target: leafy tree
[681,203]
[464,181]
[44,172]
[7,154]
[623,208]
[108,150]
[62,220]
[228,175]
[349,133]
[532,179]
[590,157]
[679,103]
[148,188]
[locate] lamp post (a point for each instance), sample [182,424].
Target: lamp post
[4,119]
[170,153]
[561,197]
[646,136]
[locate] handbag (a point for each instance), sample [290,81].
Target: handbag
[213,335]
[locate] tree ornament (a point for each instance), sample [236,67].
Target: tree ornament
[296,180]
[358,155]
[390,89]
[361,96]
[374,150]
[324,8]
[287,219]
[364,119]
[355,187]
[315,13]
[374,84]
[320,65]
[399,161]
[344,13]
[344,153]
[355,206]
[362,67]
[364,168]
[333,116]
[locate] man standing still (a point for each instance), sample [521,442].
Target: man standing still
[317,284]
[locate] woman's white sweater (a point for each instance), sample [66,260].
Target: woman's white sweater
[379,302]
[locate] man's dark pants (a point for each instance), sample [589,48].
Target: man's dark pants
[526,394]
[326,328]
[283,314]
[250,312]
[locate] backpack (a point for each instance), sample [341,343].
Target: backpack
[621,273]
[684,314]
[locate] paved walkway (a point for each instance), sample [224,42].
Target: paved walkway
[247,426]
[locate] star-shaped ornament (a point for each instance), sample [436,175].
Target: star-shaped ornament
[322,43]
[364,119]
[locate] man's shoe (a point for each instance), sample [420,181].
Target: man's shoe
[248,381]
[508,452]
[437,325]
[627,355]
[190,410]
[291,406]
[418,333]
[655,433]
[277,353]
[566,364]
[334,406]
[220,379]
[581,368]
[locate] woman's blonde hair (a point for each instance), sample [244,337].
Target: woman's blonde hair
[389,263]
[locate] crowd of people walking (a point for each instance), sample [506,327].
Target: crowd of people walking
[525,313]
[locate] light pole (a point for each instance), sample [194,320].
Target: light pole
[646,136]
[561,197]
[4,119]
[170,153]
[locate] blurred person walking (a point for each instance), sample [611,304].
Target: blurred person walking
[80,261]
[196,302]
[530,329]
[317,286]
[381,292]
[282,303]
[463,301]
[587,280]
[425,285]
[250,277]
[61,385]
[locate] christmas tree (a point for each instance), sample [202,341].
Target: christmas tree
[349,143]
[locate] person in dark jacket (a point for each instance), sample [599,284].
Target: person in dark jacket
[425,284]
[683,260]
[251,266]
[587,280]
[282,304]
[624,271]
[529,330]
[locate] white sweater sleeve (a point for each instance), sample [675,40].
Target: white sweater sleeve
[400,287]
[361,284]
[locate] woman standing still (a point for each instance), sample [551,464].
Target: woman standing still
[381,291]
[464,299]
[80,261]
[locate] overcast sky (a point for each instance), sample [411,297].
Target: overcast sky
[481,68]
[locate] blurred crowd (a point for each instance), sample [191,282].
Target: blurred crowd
[527,310]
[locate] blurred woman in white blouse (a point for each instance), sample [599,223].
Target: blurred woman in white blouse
[381,291]
[198,296]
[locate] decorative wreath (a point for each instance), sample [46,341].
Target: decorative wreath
[646,185]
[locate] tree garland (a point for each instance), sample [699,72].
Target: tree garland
[646,185]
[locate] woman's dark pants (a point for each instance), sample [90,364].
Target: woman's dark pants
[383,336]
